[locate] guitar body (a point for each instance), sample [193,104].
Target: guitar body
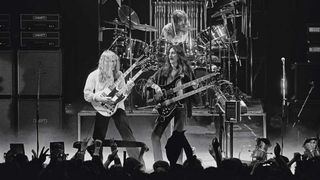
[108,109]
[166,91]
[118,95]
[165,111]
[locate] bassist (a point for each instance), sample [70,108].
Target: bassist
[175,65]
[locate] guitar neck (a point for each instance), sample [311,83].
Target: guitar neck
[188,84]
[133,79]
[178,98]
[125,74]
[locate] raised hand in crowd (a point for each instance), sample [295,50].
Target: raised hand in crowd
[41,158]
[215,151]
[79,155]
[296,158]
[113,156]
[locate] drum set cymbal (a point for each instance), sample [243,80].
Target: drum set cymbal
[128,15]
[145,27]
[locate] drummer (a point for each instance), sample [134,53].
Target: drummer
[177,31]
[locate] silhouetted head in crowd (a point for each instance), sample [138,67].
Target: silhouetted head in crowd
[57,152]
[132,165]
[161,166]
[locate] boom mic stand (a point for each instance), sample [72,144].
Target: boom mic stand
[297,122]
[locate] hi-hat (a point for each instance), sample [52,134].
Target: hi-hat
[144,27]
[115,29]
[115,23]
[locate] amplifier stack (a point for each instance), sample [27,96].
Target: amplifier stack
[313,38]
[5,35]
[40,31]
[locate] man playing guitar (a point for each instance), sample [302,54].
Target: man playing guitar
[174,67]
[98,84]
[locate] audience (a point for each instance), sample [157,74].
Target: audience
[17,165]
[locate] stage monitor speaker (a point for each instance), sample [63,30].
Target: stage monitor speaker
[44,65]
[6,59]
[50,115]
[305,76]
[6,115]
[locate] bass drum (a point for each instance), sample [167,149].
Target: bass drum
[122,48]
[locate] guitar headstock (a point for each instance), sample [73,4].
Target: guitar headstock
[148,64]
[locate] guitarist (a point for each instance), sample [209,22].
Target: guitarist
[175,65]
[107,73]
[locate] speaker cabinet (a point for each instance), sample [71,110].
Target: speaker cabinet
[6,59]
[50,115]
[6,115]
[39,66]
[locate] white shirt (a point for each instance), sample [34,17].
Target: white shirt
[93,85]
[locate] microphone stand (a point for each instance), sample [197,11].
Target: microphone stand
[37,107]
[300,111]
[284,90]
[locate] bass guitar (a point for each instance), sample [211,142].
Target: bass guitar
[166,107]
[108,109]
[168,91]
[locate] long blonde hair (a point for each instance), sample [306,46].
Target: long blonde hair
[108,55]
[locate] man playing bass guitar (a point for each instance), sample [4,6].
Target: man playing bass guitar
[175,65]
[102,81]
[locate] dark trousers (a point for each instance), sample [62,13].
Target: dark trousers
[122,124]
[180,116]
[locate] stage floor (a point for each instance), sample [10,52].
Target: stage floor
[200,130]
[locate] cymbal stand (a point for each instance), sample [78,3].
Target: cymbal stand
[233,49]
[130,55]
[208,99]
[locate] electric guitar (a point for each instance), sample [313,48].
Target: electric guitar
[112,90]
[108,109]
[169,90]
[166,107]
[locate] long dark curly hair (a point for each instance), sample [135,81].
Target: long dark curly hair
[183,63]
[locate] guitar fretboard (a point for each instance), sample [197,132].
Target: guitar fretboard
[178,98]
[125,74]
[188,84]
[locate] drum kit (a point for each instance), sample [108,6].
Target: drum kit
[201,51]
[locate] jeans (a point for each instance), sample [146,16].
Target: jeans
[180,116]
[122,124]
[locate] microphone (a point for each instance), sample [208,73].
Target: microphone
[311,83]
